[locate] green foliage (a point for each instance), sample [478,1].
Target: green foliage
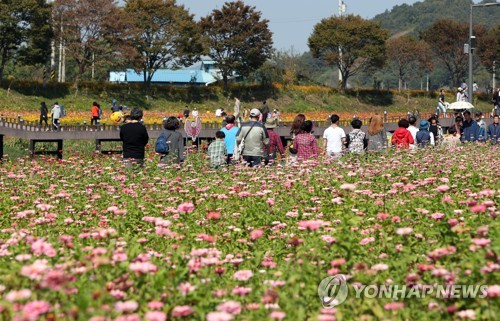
[237,39]
[351,43]
[24,32]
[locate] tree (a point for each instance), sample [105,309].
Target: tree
[351,43]
[25,32]
[488,48]
[92,31]
[447,39]
[165,35]
[408,55]
[238,40]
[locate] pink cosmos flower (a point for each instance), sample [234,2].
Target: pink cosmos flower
[143,267]
[349,187]
[380,267]
[382,216]
[310,225]
[232,307]
[477,209]
[437,216]
[481,242]
[219,316]
[443,188]
[493,291]
[18,295]
[404,231]
[36,270]
[367,240]
[182,311]
[243,275]
[186,288]
[128,317]
[328,239]
[277,315]
[394,306]
[326,317]
[155,316]
[155,305]
[127,306]
[187,207]
[467,314]
[241,291]
[270,201]
[452,222]
[256,234]
[40,247]
[32,310]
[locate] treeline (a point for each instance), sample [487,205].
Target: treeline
[92,37]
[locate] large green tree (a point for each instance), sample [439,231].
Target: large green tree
[351,43]
[447,38]
[237,38]
[92,32]
[25,32]
[165,35]
[408,56]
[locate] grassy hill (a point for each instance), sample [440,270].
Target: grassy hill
[25,97]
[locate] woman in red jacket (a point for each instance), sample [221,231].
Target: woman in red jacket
[402,137]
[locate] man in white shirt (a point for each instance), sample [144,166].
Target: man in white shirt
[413,130]
[334,138]
[56,114]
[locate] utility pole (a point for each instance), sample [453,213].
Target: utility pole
[342,9]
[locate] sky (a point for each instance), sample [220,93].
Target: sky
[292,21]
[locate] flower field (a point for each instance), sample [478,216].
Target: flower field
[88,239]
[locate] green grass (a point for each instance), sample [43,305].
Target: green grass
[26,96]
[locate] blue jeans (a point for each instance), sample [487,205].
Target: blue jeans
[252,160]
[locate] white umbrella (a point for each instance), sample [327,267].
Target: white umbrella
[460,105]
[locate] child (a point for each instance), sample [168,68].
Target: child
[356,140]
[452,139]
[217,150]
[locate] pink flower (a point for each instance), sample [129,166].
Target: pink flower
[443,188]
[186,288]
[232,307]
[367,240]
[155,305]
[155,316]
[241,290]
[182,311]
[477,209]
[349,187]
[187,207]
[143,267]
[40,247]
[256,234]
[219,316]
[32,310]
[481,242]
[127,306]
[467,314]
[277,315]
[394,306]
[270,201]
[18,295]
[128,317]
[243,275]
[326,317]
[404,231]
[380,267]
[382,216]
[437,216]
[493,291]
[310,225]
[452,222]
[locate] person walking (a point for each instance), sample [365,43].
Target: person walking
[334,138]
[134,137]
[56,115]
[94,119]
[44,111]
[376,134]
[442,103]
[305,143]
[252,137]
[230,131]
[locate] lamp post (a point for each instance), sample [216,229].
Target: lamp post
[472,43]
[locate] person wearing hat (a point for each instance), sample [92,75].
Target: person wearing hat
[251,139]
[482,127]
[424,136]
[275,144]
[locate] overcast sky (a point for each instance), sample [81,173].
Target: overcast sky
[292,21]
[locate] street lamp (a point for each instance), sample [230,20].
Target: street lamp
[472,43]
